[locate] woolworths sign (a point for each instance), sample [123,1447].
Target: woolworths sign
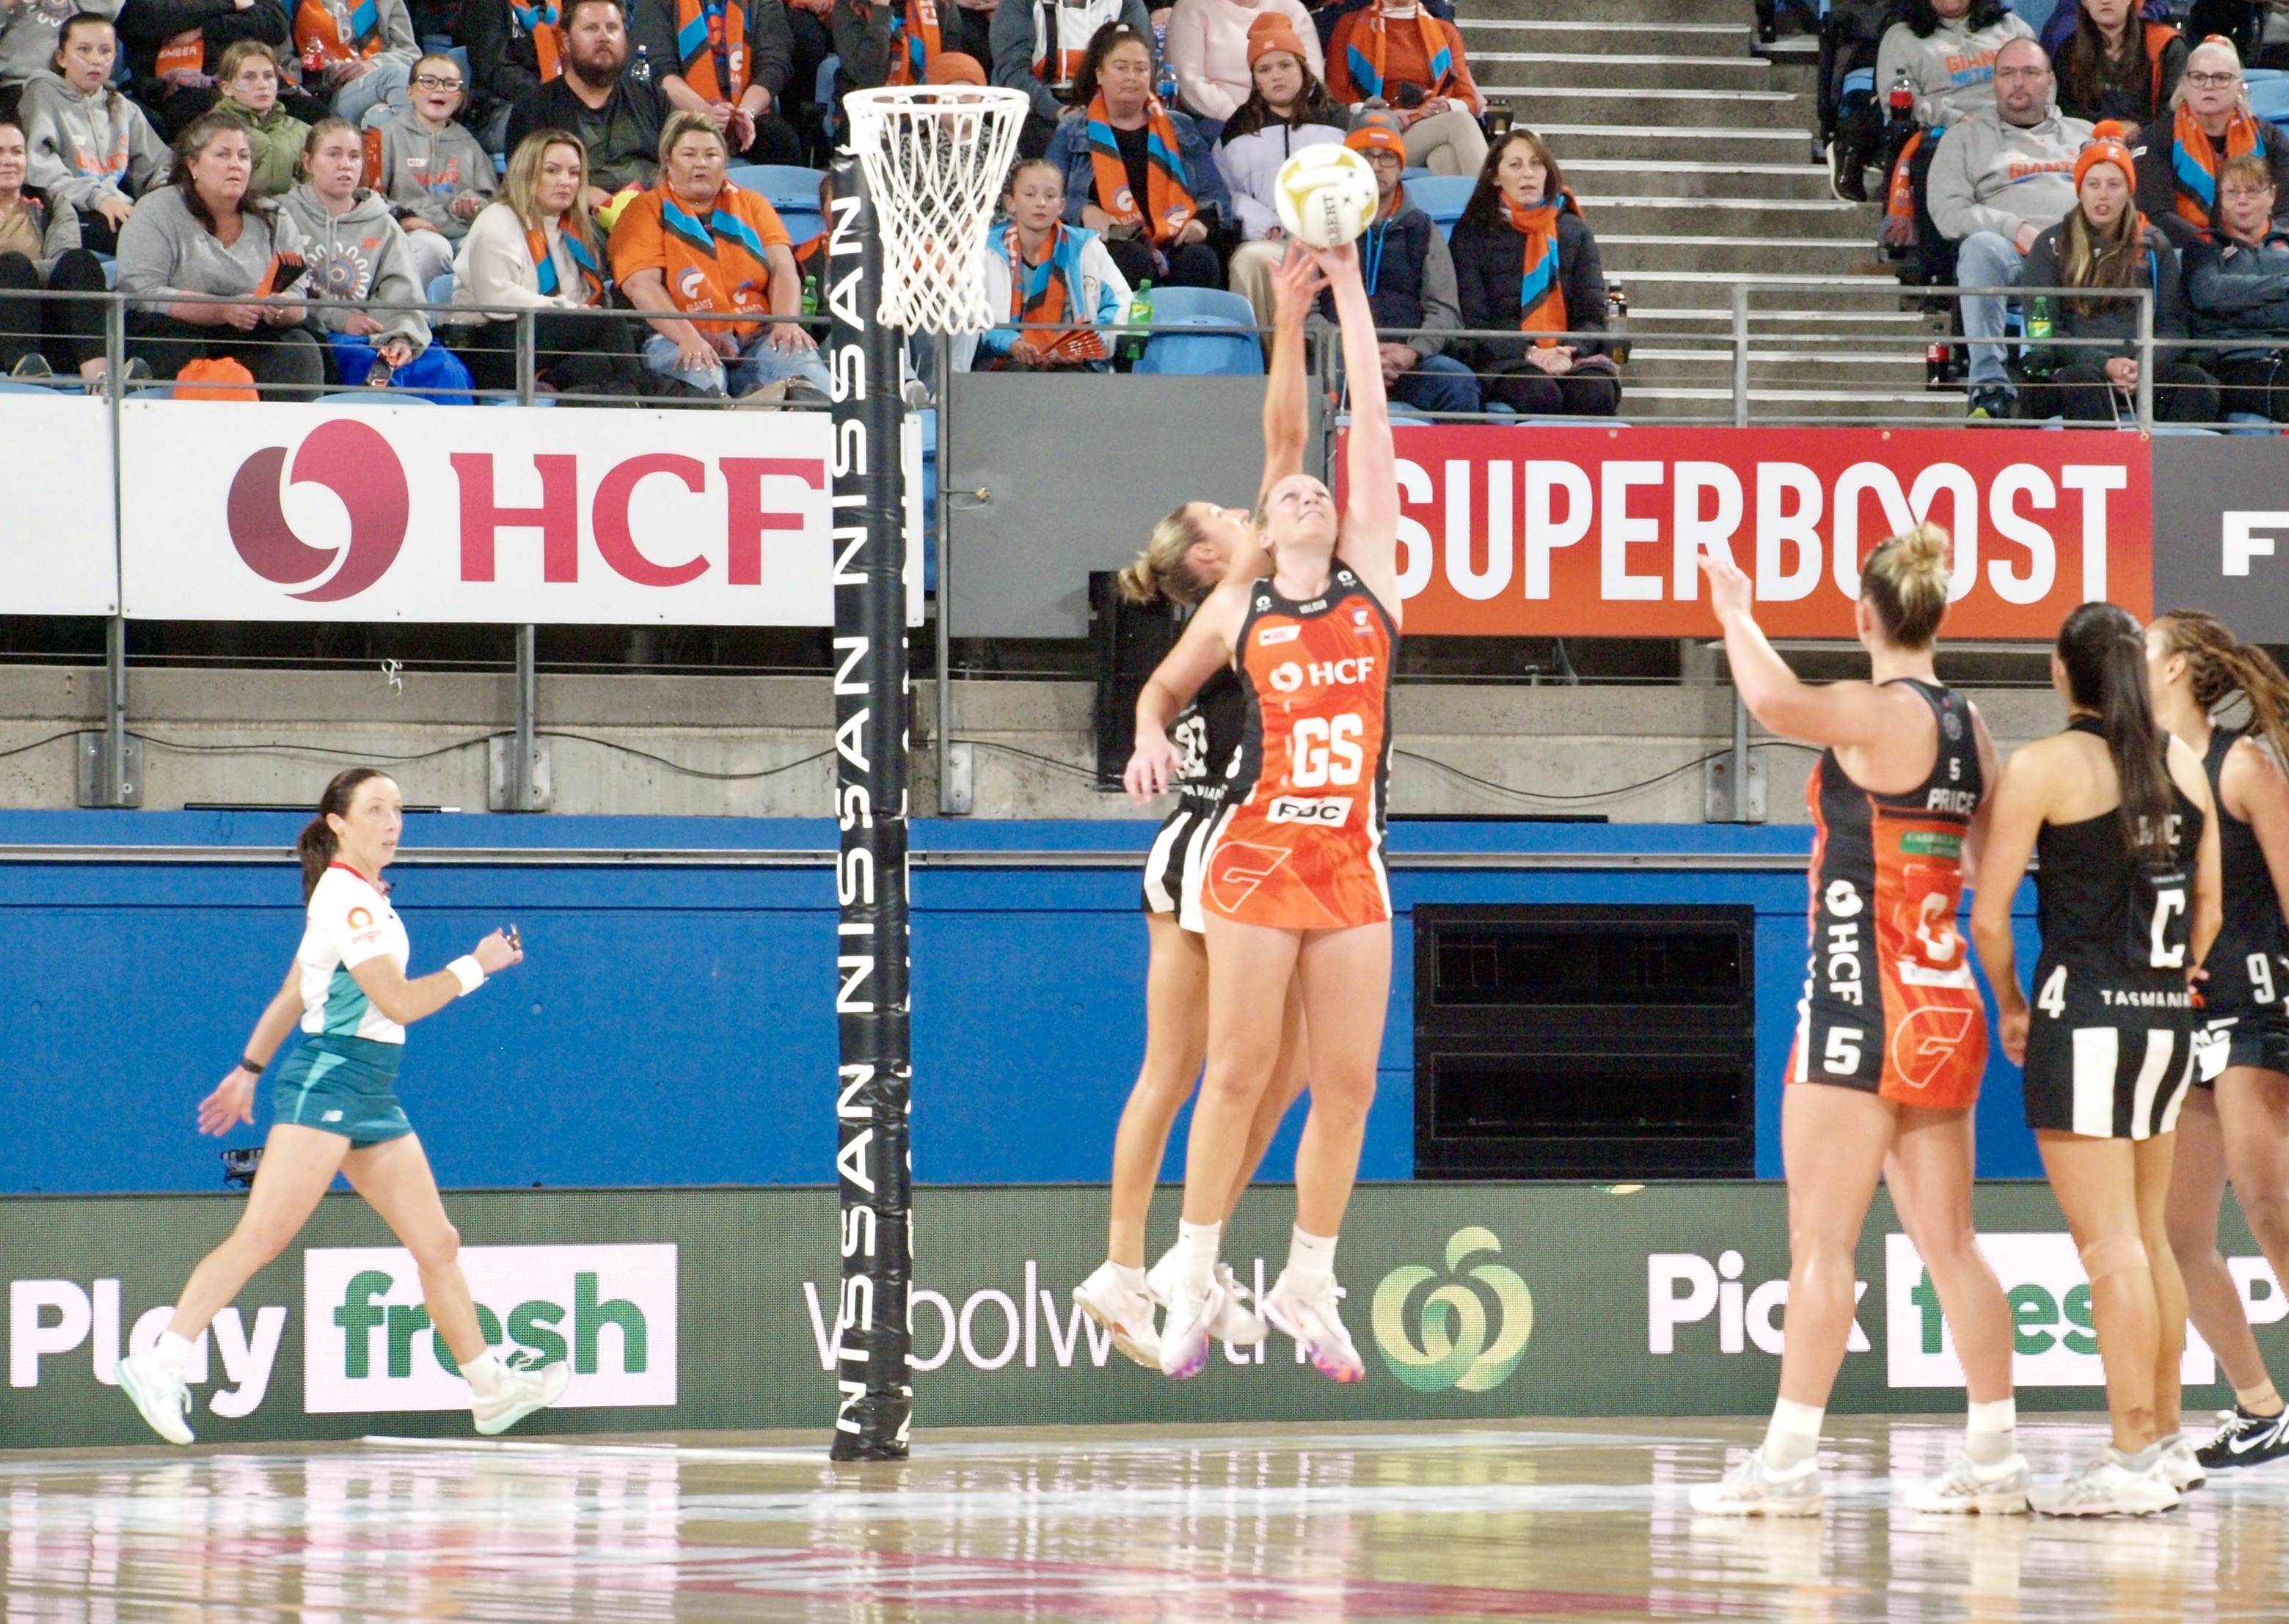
[715,1308]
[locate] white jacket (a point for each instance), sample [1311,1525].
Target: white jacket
[1102,298]
[1250,165]
[494,266]
[1207,46]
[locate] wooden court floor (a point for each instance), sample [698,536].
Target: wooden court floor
[1572,1520]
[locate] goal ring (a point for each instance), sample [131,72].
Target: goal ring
[935,157]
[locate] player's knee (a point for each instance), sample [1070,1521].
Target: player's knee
[260,1243]
[438,1249]
[2268,1213]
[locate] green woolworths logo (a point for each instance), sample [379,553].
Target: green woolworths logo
[1455,1349]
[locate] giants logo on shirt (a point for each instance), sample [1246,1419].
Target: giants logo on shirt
[2020,170]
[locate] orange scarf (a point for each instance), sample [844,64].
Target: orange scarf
[1038,295]
[1366,67]
[319,37]
[1541,288]
[1168,199]
[591,279]
[2195,162]
[914,43]
[543,24]
[701,41]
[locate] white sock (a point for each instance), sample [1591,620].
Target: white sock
[1131,1279]
[1196,1254]
[1311,1263]
[1991,1436]
[483,1373]
[172,1353]
[1793,1435]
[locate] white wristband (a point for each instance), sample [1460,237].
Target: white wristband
[468,972]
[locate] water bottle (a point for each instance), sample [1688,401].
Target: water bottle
[1617,322]
[639,70]
[1165,86]
[1140,318]
[2039,326]
[810,296]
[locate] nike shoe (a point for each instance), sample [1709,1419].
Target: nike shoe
[2109,1487]
[2181,1465]
[2244,1439]
[521,1392]
[1317,1324]
[1237,1325]
[1967,1487]
[1752,1489]
[162,1396]
[1189,1330]
[1127,1314]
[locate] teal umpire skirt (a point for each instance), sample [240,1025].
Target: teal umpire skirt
[346,1085]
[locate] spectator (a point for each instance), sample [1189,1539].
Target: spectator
[913,42]
[40,250]
[2178,170]
[1288,109]
[208,233]
[1410,58]
[361,51]
[174,52]
[516,51]
[91,147]
[1525,258]
[2105,243]
[617,117]
[1136,173]
[1326,16]
[1211,43]
[249,80]
[1057,281]
[1038,46]
[731,60]
[357,255]
[1998,181]
[1947,48]
[2237,289]
[697,243]
[31,32]
[2119,66]
[435,173]
[1410,281]
[535,248]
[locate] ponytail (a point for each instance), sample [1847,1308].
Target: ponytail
[2223,665]
[1164,570]
[1906,582]
[316,846]
[2104,654]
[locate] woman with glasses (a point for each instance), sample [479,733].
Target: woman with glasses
[2210,122]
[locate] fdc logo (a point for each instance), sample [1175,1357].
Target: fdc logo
[1455,1349]
[349,459]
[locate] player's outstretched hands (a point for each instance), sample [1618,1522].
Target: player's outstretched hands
[1337,265]
[231,1103]
[1729,592]
[1151,767]
[500,951]
[1295,286]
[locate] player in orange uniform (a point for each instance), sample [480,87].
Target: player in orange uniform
[1894,1036]
[1296,885]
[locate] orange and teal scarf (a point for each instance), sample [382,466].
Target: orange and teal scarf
[1168,204]
[316,25]
[592,278]
[914,42]
[1039,294]
[2195,162]
[1541,288]
[711,45]
[541,22]
[1366,67]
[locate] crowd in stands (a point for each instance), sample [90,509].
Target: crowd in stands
[271,182]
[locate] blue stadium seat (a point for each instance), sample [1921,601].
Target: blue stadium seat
[2269,99]
[10,386]
[1199,348]
[785,185]
[802,224]
[1442,197]
[1202,307]
[439,291]
[2261,75]
[376,397]
[110,272]
[538,400]
[2034,13]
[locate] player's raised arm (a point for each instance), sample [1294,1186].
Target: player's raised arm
[1296,287]
[1369,541]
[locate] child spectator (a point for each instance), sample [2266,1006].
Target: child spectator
[2117,65]
[91,147]
[40,250]
[1400,53]
[733,60]
[356,254]
[1136,172]
[174,52]
[1288,109]
[208,233]
[1209,46]
[1525,260]
[30,32]
[697,243]
[2237,284]
[435,173]
[1038,46]
[1055,281]
[535,248]
[361,51]
[248,75]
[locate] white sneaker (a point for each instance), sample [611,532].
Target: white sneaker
[1237,1325]
[162,1396]
[1127,1314]
[521,1392]
[1316,1323]
[2108,1488]
[1189,1329]
[2181,1465]
[1751,1490]
[1967,1487]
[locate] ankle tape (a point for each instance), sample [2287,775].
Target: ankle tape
[2113,1254]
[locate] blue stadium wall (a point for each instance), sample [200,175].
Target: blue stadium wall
[673,1025]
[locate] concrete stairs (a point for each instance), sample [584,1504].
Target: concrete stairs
[1695,161]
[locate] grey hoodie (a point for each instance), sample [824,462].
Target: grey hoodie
[1990,176]
[85,148]
[166,252]
[28,33]
[1953,70]
[355,256]
[423,173]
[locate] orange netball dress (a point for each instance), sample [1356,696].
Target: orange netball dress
[1300,844]
[1889,1005]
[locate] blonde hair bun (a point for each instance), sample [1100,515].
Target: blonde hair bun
[1906,579]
